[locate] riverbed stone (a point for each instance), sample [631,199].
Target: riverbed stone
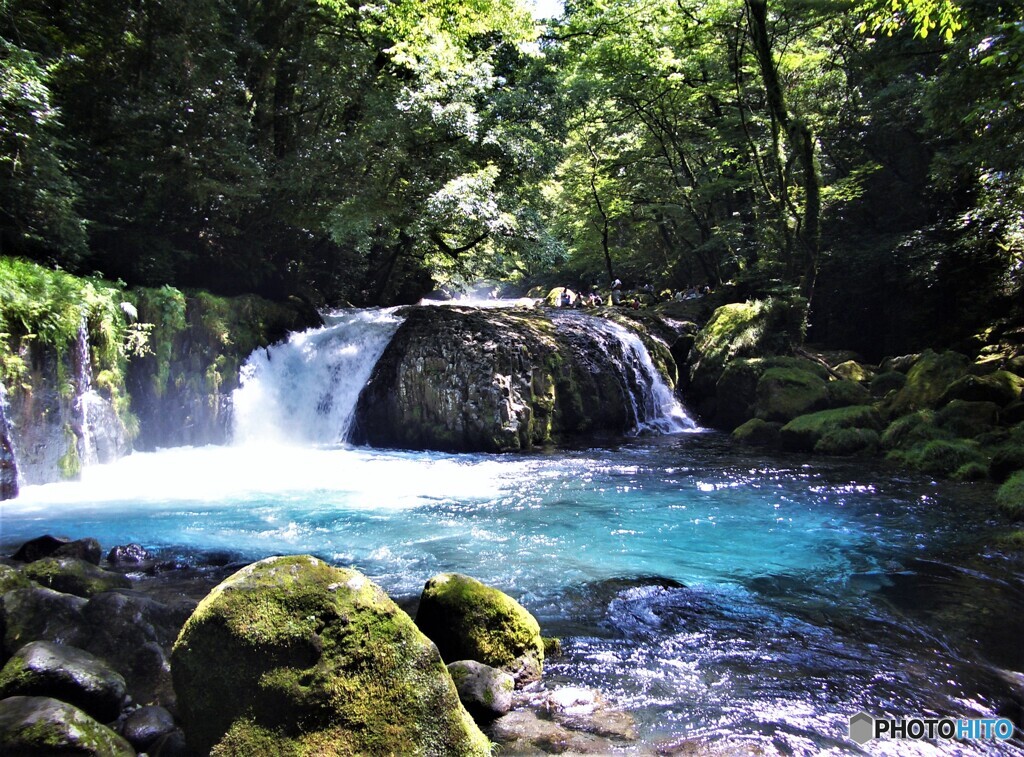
[146,725]
[890,381]
[36,613]
[851,370]
[469,620]
[526,732]
[46,726]
[128,554]
[11,579]
[293,655]
[38,548]
[758,433]
[485,691]
[42,668]
[967,418]
[73,575]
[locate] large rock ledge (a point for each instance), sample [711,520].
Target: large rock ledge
[456,379]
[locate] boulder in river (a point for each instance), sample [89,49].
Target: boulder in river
[290,655]
[46,726]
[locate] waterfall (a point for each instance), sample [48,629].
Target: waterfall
[100,434]
[305,390]
[654,406]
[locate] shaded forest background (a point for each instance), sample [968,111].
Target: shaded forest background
[865,157]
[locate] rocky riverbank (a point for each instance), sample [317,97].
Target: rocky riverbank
[136,653]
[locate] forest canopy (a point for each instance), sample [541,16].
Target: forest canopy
[864,155]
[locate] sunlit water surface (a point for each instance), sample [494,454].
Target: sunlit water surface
[714,594]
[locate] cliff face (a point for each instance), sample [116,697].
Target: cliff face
[459,379]
[181,389]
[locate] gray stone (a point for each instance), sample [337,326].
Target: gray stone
[483,690]
[45,726]
[36,613]
[42,668]
[146,726]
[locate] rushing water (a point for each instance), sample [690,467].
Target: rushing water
[713,593]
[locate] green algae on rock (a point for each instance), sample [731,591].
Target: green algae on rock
[290,655]
[74,576]
[469,620]
[41,725]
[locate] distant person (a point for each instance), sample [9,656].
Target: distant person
[616,296]
[566,298]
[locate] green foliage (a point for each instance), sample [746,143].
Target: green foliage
[940,457]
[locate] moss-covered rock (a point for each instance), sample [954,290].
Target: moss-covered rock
[35,613]
[927,381]
[485,691]
[471,621]
[967,419]
[890,381]
[45,726]
[757,433]
[741,330]
[847,441]
[1000,388]
[73,576]
[939,457]
[785,393]
[736,391]
[42,668]
[802,433]
[11,579]
[293,656]
[851,370]
[1010,496]
[912,429]
[843,393]
[1007,458]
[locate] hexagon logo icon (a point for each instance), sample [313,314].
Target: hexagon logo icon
[862,727]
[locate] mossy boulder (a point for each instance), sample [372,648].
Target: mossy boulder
[471,621]
[74,576]
[851,370]
[847,441]
[843,392]
[928,380]
[11,579]
[912,429]
[758,433]
[485,691]
[755,328]
[785,393]
[292,656]
[968,419]
[939,457]
[1000,388]
[34,613]
[1010,496]
[890,381]
[803,433]
[46,726]
[42,668]
[736,391]
[1007,458]
[52,546]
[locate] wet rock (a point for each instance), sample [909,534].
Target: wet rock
[586,710]
[12,579]
[72,575]
[290,653]
[854,371]
[482,689]
[471,621]
[134,633]
[38,548]
[8,462]
[128,554]
[35,614]
[88,550]
[172,744]
[525,732]
[45,726]
[146,726]
[42,668]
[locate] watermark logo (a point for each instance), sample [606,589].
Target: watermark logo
[864,728]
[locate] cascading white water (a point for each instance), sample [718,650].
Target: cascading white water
[654,405]
[305,390]
[100,433]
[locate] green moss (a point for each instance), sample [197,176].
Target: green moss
[940,457]
[967,419]
[890,381]
[552,646]
[11,579]
[847,441]
[471,621]
[928,380]
[913,429]
[73,576]
[972,471]
[1006,458]
[1012,540]
[295,653]
[70,463]
[784,393]
[804,432]
[843,393]
[758,433]
[1010,496]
